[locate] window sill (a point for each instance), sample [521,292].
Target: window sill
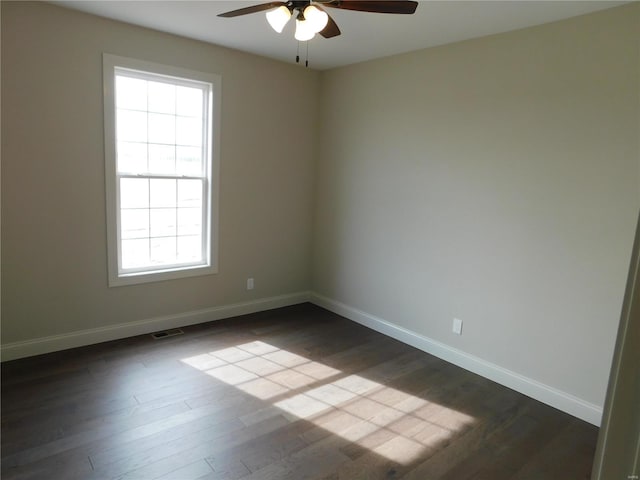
[160,276]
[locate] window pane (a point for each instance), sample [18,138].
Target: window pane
[134,223]
[163,250]
[163,193]
[131,126]
[132,157]
[163,222]
[189,160]
[189,193]
[162,128]
[189,221]
[189,101]
[131,93]
[190,248]
[188,131]
[134,193]
[162,159]
[135,253]
[162,97]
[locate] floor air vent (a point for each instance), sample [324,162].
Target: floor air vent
[167,333]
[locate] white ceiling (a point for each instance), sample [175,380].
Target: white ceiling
[364,35]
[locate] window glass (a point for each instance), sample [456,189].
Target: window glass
[160,127]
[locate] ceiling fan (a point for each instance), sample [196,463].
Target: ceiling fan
[311,17]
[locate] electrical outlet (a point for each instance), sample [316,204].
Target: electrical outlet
[457,326]
[249,283]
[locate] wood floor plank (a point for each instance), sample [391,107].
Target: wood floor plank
[193,471]
[105,425]
[501,455]
[568,455]
[137,456]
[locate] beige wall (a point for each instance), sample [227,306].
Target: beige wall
[494,180]
[54,275]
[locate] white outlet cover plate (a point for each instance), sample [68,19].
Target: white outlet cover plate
[457,326]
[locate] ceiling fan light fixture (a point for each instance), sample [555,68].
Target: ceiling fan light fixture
[311,17]
[278,18]
[304,30]
[317,18]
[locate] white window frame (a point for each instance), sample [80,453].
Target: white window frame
[118,277]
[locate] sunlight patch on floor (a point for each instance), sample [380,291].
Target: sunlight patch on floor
[385,420]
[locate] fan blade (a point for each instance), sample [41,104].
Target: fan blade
[331,30]
[375,6]
[256,8]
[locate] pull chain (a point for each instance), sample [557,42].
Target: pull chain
[306,62]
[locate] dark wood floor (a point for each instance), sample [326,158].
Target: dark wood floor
[295,393]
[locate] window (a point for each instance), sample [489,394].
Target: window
[161,151]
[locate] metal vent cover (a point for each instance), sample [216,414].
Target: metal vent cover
[167,333]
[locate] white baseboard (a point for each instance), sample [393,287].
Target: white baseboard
[38,346]
[544,393]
